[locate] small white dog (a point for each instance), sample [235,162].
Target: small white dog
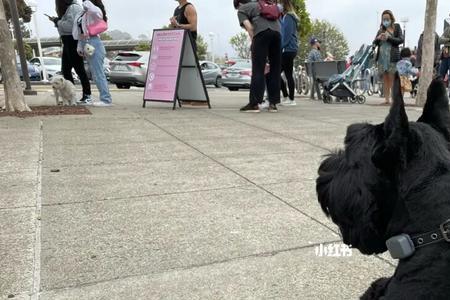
[64,89]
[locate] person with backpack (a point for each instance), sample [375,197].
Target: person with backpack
[289,48]
[86,28]
[261,20]
[66,11]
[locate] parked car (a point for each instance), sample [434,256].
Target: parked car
[52,65]
[129,69]
[212,74]
[106,68]
[238,76]
[33,72]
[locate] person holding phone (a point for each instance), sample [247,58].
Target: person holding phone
[91,46]
[67,10]
[389,38]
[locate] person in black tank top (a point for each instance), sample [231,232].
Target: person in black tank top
[185,17]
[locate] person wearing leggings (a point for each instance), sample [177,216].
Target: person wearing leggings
[289,46]
[67,10]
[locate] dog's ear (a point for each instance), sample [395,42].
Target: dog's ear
[390,152]
[436,111]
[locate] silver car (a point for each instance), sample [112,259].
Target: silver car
[212,74]
[129,69]
[238,76]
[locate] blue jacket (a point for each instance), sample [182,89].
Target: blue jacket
[289,33]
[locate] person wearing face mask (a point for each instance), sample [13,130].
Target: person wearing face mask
[185,17]
[93,13]
[389,38]
[289,48]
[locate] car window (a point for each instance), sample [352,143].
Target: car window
[144,58]
[242,65]
[34,60]
[52,62]
[127,57]
[211,66]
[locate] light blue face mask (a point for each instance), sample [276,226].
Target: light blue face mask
[386,23]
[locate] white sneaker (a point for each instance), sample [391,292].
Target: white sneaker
[290,103]
[102,104]
[264,105]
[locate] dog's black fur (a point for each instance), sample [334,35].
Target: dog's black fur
[394,178]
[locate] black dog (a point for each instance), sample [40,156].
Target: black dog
[394,179]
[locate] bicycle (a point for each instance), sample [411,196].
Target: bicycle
[302,81]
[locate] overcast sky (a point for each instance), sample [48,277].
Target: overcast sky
[358,19]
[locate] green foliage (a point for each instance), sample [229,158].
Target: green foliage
[24,10]
[241,44]
[105,36]
[142,47]
[202,48]
[305,21]
[28,50]
[333,40]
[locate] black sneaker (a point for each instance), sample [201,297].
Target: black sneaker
[86,100]
[250,108]
[273,108]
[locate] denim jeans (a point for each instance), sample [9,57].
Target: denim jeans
[445,67]
[97,70]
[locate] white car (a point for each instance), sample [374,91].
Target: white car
[52,66]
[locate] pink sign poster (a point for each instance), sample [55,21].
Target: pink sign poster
[164,65]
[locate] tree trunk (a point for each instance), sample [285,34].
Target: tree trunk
[426,72]
[15,99]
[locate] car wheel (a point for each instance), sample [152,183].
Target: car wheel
[233,89]
[1,77]
[123,86]
[218,83]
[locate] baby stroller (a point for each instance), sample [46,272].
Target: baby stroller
[350,86]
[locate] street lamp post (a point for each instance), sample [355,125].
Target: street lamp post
[404,21]
[20,47]
[34,6]
[211,36]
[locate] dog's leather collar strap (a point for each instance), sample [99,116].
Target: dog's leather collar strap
[403,246]
[443,233]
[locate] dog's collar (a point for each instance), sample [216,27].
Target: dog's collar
[404,245]
[424,239]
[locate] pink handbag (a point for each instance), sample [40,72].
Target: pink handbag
[98,27]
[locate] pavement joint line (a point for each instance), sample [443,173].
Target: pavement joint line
[252,182]
[194,266]
[274,132]
[146,196]
[26,207]
[74,165]
[37,244]
[255,184]
[100,164]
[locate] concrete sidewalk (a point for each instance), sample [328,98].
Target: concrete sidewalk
[133,203]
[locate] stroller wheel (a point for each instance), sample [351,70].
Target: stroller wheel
[353,99]
[361,99]
[327,99]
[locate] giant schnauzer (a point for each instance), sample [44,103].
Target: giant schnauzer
[390,190]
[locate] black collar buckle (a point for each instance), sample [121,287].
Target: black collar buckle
[445,229]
